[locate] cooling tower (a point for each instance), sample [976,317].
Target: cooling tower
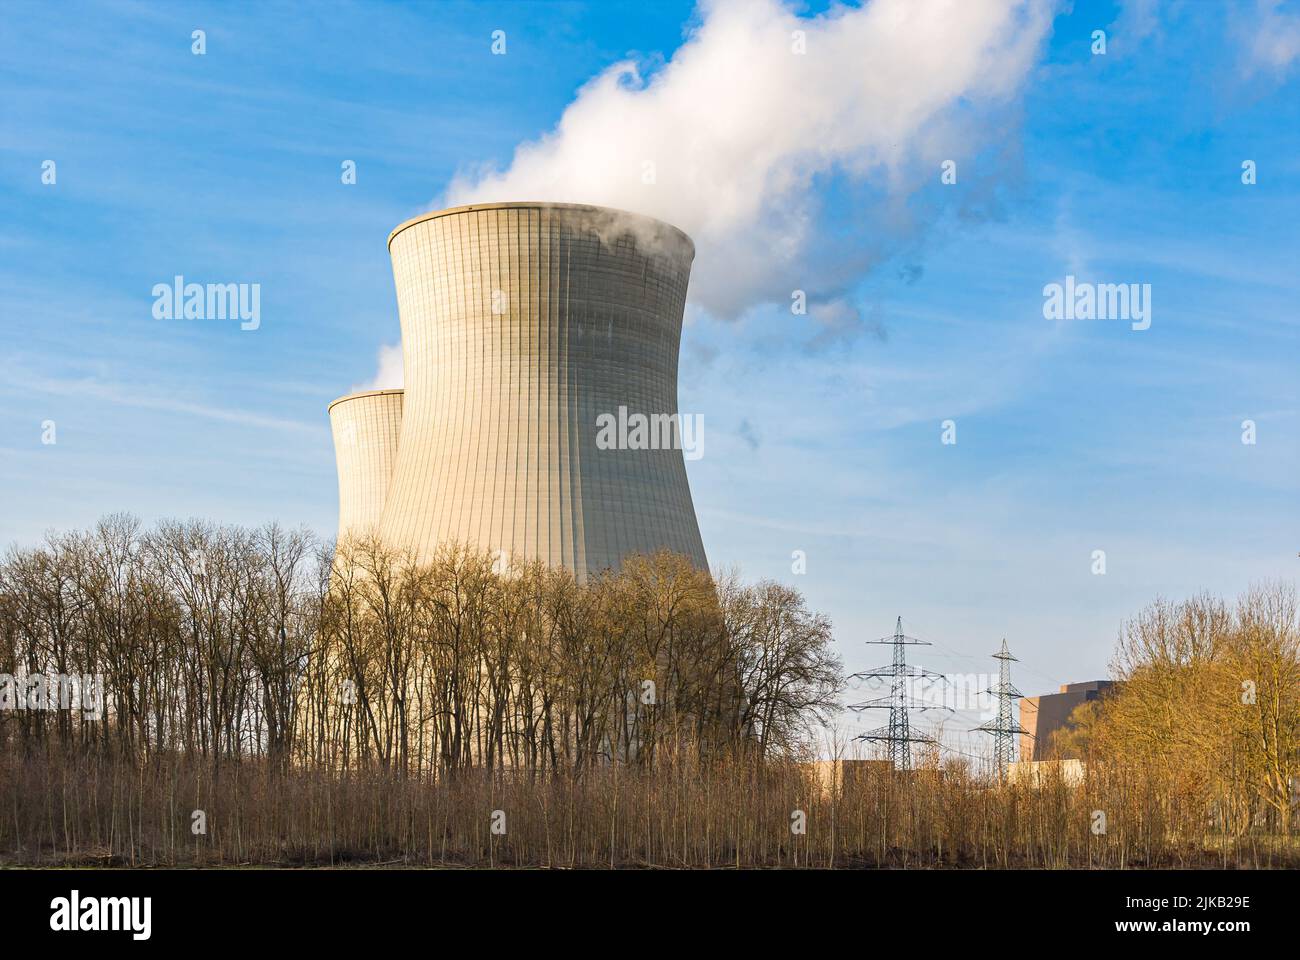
[366,427]
[522,324]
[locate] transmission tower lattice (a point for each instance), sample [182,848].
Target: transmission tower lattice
[1004,728]
[898,735]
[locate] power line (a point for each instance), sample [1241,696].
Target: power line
[1056,682]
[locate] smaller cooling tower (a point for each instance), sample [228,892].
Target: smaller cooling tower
[366,427]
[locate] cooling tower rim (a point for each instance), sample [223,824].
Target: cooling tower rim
[359,395]
[542,205]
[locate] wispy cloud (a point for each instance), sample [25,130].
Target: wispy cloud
[1272,38]
[128,396]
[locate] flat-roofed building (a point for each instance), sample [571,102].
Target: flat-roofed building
[1044,716]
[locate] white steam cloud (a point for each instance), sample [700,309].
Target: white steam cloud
[389,375]
[790,170]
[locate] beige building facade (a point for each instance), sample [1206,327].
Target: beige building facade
[524,327]
[1045,716]
[1040,773]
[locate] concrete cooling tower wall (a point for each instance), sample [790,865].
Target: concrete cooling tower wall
[366,428]
[522,324]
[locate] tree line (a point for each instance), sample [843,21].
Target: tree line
[323,705]
[226,644]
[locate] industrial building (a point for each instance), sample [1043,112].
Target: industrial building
[523,325]
[1042,717]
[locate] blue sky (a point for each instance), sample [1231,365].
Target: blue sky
[1072,436]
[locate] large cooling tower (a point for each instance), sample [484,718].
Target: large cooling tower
[365,427]
[522,324]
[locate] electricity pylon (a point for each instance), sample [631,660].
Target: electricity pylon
[899,733]
[1004,728]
